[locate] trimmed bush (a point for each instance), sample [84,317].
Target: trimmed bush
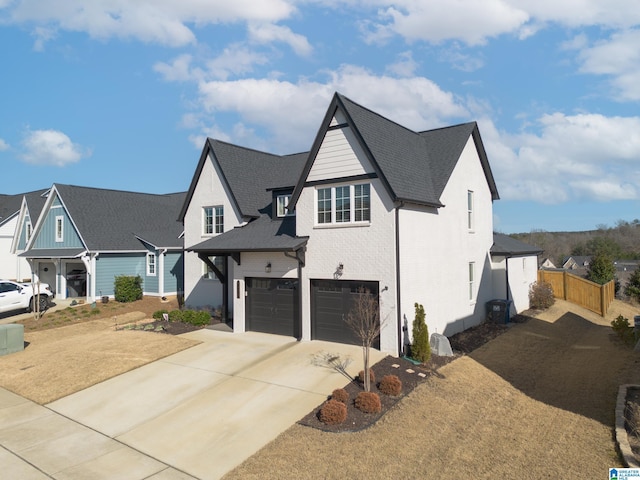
[333,412]
[372,376]
[157,315]
[420,348]
[176,316]
[541,295]
[341,395]
[368,402]
[390,385]
[196,318]
[127,288]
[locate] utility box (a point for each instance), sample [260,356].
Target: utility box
[499,311]
[11,338]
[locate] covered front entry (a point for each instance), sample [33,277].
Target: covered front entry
[272,305]
[331,302]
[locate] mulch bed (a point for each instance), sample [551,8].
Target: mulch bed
[411,375]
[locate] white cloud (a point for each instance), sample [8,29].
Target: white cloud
[3,145]
[619,58]
[236,59]
[405,66]
[51,147]
[179,70]
[579,13]
[290,112]
[270,33]
[153,21]
[469,21]
[585,156]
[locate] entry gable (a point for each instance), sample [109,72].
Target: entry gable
[55,227]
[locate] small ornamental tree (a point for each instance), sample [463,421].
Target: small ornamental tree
[420,348]
[601,269]
[633,286]
[364,320]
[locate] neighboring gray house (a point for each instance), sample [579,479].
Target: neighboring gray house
[12,210]
[286,242]
[85,237]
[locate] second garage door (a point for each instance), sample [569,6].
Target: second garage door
[331,302]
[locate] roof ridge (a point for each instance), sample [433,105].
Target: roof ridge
[473,122]
[250,149]
[83,187]
[404,127]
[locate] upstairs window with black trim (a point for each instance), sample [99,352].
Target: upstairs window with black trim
[282,202]
[29,231]
[343,204]
[213,220]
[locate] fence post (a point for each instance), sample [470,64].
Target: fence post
[564,285]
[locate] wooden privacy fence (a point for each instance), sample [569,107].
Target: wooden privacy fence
[587,294]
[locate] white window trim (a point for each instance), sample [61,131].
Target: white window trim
[472,282]
[60,231]
[470,211]
[352,209]
[213,220]
[151,263]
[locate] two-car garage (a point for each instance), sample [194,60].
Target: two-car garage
[272,306]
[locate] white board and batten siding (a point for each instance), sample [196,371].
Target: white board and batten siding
[339,156]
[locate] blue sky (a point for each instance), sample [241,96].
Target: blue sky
[120,94]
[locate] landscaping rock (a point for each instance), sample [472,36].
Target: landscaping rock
[440,345]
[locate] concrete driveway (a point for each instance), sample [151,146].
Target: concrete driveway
[198,413]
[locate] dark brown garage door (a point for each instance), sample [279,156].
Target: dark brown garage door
[272,305]
[331,301]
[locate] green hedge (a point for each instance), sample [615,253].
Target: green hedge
[127,288]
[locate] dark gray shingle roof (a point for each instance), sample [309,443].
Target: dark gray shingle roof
[509,246]
[10,204]
[414,166]
[112,219]
[259,235]
[250,174]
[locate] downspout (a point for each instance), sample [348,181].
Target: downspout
[299,256]
[398,297]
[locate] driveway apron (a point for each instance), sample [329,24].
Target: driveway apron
[206,409]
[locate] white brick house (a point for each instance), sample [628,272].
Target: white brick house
[405,214]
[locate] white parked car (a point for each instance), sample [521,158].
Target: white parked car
[21,296]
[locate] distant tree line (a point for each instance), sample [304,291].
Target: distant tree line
[621,242]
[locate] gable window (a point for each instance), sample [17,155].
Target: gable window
[213,220]
[151,264]
[469,209]
[343,204]
[59,228]
[282,204]
[472,275]
[29,230]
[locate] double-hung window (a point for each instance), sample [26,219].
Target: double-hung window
[343,204]
[151,264]
[213,220]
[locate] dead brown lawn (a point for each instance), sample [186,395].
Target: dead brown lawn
[60,361]
[537,402]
